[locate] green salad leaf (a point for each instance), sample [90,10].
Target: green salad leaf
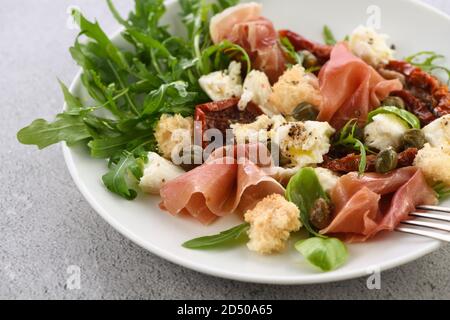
[348,137]
[328,36]
[303,190]
[426,60]
[226,237]
[41,133]
[127,168]
[132,87]
[442,190]
[405,115]
[325,253]
[290,51]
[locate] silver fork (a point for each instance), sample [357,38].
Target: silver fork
[432,213]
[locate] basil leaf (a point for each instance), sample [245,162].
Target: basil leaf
[41,133]
[326,254]
[405,115]
[303,190]
[328,36]
[223,238]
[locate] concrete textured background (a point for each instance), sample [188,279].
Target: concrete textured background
[46,225]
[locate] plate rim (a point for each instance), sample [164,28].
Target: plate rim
[223,273]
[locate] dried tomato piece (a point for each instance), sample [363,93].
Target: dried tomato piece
[428,89]
[351,162]
[221,114]
[321,51]
[415,106]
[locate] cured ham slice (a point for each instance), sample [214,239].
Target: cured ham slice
[366,205]
[228,182]
[350,88]
[243,25]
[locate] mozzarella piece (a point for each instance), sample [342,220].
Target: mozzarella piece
[156,172]
[437,133]
[386,130]
[225,84]
[257,89]
[327,178]
[370,46]
[258,131]
[304,143]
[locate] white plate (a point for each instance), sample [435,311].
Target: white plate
[412,26]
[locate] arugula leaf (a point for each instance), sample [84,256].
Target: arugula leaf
[109,146]
[93,31]
[132,88]
[442,190]
[324,253]
[223,238]
[289,49]
[116,179]
[73,103]
[217,57]
[425,60]
[405,115]
[303,190]
[328,36]
[41,133]
[347,137]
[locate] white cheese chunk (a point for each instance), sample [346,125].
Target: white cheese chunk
[437,133]
[156,172]
[225,84]
[386,130]
[370,46]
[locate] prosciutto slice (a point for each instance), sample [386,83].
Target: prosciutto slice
[244,25]
[228,182]
[350,88]
[376,202]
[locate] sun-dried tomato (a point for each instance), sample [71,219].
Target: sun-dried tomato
[321,51]
[428,89]
[351,162]
[221,114]
[415,106]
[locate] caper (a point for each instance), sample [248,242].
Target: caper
[305,111]
[189,157]
[320,214]
[309,59]
[386,160]
[413,138]
[393,102]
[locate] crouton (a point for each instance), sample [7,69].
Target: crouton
[434,163]
[172,133]
[271,222]
[293,88]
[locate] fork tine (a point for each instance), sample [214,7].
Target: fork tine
[425,233]
[428,215]
[434,208]
[427,224]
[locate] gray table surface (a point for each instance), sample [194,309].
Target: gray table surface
[47,226]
